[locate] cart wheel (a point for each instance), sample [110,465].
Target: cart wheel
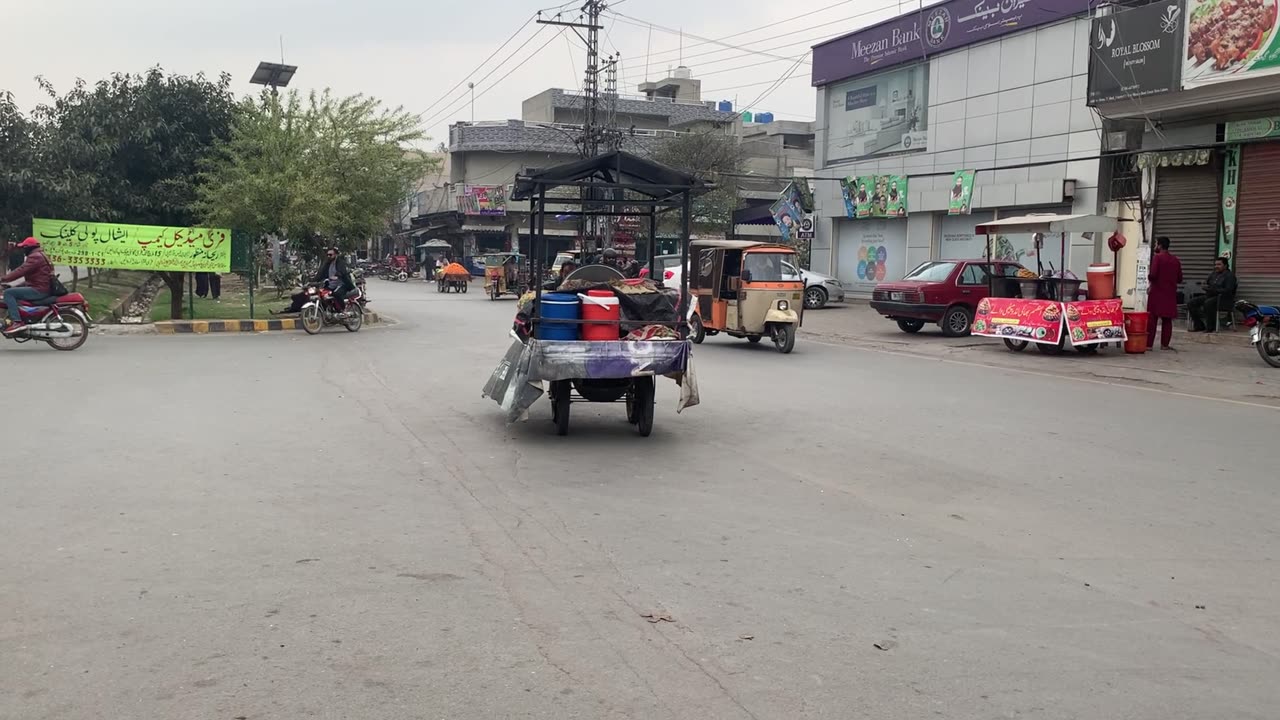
[560,405]
[644,405]
[1087,349]
[1049,349]
[1016,345]
[464,287]
[697,333]
[631,405]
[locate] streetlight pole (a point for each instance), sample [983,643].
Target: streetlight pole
[472,87]
[274,76]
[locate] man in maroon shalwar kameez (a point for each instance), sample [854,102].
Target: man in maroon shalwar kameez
[1162,295]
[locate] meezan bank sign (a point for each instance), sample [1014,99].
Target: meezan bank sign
[931,30]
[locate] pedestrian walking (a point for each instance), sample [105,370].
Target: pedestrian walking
[1162,293]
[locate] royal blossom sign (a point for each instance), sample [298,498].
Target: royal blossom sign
[932,30]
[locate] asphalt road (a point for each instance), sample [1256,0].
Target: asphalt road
[282,526]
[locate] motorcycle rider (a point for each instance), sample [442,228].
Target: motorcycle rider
[335,276]
[38,274]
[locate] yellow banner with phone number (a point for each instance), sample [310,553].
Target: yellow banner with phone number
[134,247]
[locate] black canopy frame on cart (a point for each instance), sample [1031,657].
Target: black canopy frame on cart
[608,184]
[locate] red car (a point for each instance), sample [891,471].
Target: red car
[940,291]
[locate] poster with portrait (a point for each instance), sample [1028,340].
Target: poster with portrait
[959,202]
[847,189]
[787,216]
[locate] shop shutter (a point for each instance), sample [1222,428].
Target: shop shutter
[1257,255]
[1187,213]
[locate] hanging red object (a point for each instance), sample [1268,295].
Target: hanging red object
[1115,242]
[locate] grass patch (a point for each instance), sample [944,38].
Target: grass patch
[233,305]
[106,293]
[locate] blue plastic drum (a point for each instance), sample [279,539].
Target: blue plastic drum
[559,306]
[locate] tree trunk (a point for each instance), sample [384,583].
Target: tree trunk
[177,285]
[75,278]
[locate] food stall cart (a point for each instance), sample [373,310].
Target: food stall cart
[1045,310]
[599,337]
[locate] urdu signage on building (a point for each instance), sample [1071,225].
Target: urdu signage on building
[1135,52]
[932,30]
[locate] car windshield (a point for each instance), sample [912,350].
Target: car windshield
[931,272]
[763,267]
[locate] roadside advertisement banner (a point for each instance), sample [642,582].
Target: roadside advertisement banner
[848,187]
[483,200]
[1229,40]
[1092,322]
[1136,52]
[961,192]
[875,196]
[134,247]
[1230,198]
[1038,321]
[787,216]
[884,114]
[922,33]
[803,197]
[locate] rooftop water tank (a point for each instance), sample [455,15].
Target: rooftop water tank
[746,117]
[764,117]
[682,73]
[725,106]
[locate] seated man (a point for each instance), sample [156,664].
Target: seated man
[566,268]
[1219,293]
[38,274]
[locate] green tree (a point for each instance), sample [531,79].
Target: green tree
[132,145]
[322,167]
[712,158]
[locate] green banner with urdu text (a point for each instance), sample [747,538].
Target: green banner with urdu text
[134,247]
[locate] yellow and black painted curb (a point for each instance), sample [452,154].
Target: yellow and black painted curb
[198,327]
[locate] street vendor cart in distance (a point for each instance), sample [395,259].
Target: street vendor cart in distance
[598,337]
[1043,308]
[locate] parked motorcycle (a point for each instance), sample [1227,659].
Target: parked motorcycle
[323,308]
[64,325]
[1263,322]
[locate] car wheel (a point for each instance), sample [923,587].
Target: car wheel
[909,325]
[956,321]
[814,298]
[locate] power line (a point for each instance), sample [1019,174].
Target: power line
[497,67]
[477,69]
[757,29]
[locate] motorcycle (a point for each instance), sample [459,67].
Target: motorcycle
[323,308]
[1263,322]
[64,324]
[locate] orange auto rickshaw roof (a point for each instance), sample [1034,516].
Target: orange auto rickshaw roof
[744,245]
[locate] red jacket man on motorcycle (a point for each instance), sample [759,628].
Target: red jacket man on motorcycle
[38,274]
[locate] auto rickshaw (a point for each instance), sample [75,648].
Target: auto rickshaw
[743,289]
[505,274]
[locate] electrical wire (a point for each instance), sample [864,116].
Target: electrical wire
[477,69]
[464,98]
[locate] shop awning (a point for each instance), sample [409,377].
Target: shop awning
[757,215]
[551,232]
[492,229]
[1049,223]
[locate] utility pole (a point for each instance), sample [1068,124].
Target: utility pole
[599,131]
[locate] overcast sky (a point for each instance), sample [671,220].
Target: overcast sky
[411,52]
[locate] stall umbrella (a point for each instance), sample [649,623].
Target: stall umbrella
[1053,319]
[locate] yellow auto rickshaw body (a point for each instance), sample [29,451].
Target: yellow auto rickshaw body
[745,289]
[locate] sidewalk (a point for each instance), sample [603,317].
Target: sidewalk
[1222,365]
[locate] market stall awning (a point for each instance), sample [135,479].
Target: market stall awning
[645,177]
[494,229]
[440,244]
[1048,223]
[551,232]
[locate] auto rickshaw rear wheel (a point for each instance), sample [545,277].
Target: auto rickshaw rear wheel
[697,333]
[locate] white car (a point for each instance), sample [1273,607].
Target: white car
[819,289]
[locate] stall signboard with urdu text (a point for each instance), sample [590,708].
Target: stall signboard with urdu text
[134,247]
[1093,322]
[1038,321]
